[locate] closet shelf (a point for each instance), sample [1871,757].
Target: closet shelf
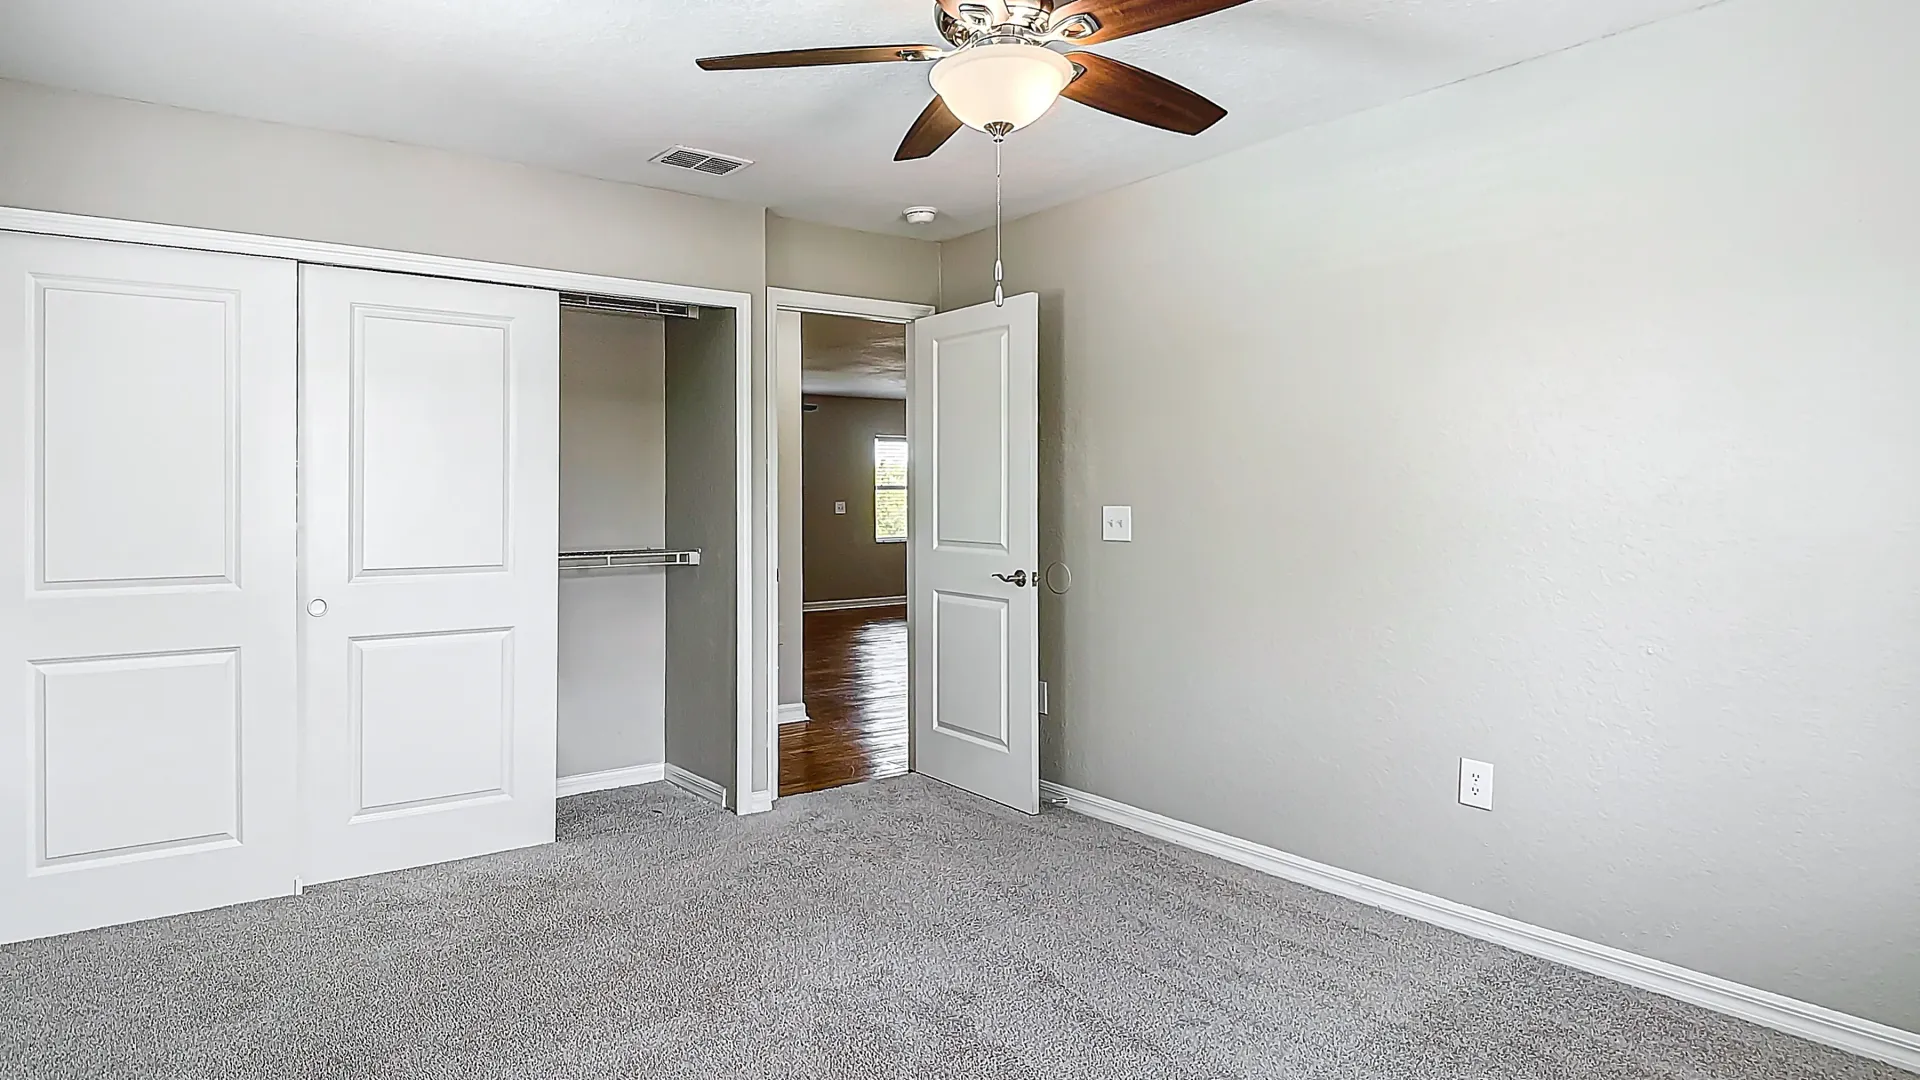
[624,558]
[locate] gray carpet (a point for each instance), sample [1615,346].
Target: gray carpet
[897,929]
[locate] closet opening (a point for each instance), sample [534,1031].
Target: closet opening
[649,542]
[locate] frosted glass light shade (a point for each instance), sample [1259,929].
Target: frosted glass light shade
[1001,84]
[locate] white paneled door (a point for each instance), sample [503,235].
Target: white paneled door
[429,529]
[147,686]
[973,431]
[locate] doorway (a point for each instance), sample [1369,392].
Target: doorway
[971,539]
[842,656]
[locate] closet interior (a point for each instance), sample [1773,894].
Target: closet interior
[648,526]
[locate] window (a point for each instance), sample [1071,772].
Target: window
[889,489]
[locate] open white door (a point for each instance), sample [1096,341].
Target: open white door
[148,698]
[973,434]
[430,530]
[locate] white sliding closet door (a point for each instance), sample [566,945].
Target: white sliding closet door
[429,530]
[147,687]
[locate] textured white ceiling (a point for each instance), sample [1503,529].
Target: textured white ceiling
[845,357]
[599,86]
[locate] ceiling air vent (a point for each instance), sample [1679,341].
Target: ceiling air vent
[704,161]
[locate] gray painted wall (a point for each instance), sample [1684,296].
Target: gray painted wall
[613,477]
[843,562]
[85,154]
[702,512]
[875,266]
[1562,418]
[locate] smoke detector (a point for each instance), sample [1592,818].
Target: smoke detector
[921,215]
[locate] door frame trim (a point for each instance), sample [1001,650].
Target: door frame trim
[804,302]
[84,227]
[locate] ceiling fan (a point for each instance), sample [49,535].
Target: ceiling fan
[1004,71]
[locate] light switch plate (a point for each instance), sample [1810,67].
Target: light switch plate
[1043,696]
[839,508]
[1116,523]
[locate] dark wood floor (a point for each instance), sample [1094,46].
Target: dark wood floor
[856,693]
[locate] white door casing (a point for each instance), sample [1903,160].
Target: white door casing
[147,740]
[430,533]
[973,432]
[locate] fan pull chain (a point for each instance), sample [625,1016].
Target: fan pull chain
[999,133]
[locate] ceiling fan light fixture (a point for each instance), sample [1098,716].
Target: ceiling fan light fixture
[1001,83]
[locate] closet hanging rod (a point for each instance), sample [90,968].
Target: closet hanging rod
[628,305]
[619,558]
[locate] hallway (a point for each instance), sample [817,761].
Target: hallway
[856,694]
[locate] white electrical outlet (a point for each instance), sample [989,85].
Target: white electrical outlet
[1116,523]
[1476,784]
[839,508]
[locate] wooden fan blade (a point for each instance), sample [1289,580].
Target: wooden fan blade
[935,125]
[1141,96]
[1124,18]
[852,54]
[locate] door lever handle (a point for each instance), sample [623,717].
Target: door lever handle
[1018,579]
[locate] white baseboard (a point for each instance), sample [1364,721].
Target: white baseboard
[861,602]
[581,783]
[1812,1022]
[697,785]
[758,802]
[793,713]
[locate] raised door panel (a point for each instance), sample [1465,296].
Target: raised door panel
[146,582]
[431,456]
[135,433]
[136,755]
[433,720]
[968,637]
[969,405]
